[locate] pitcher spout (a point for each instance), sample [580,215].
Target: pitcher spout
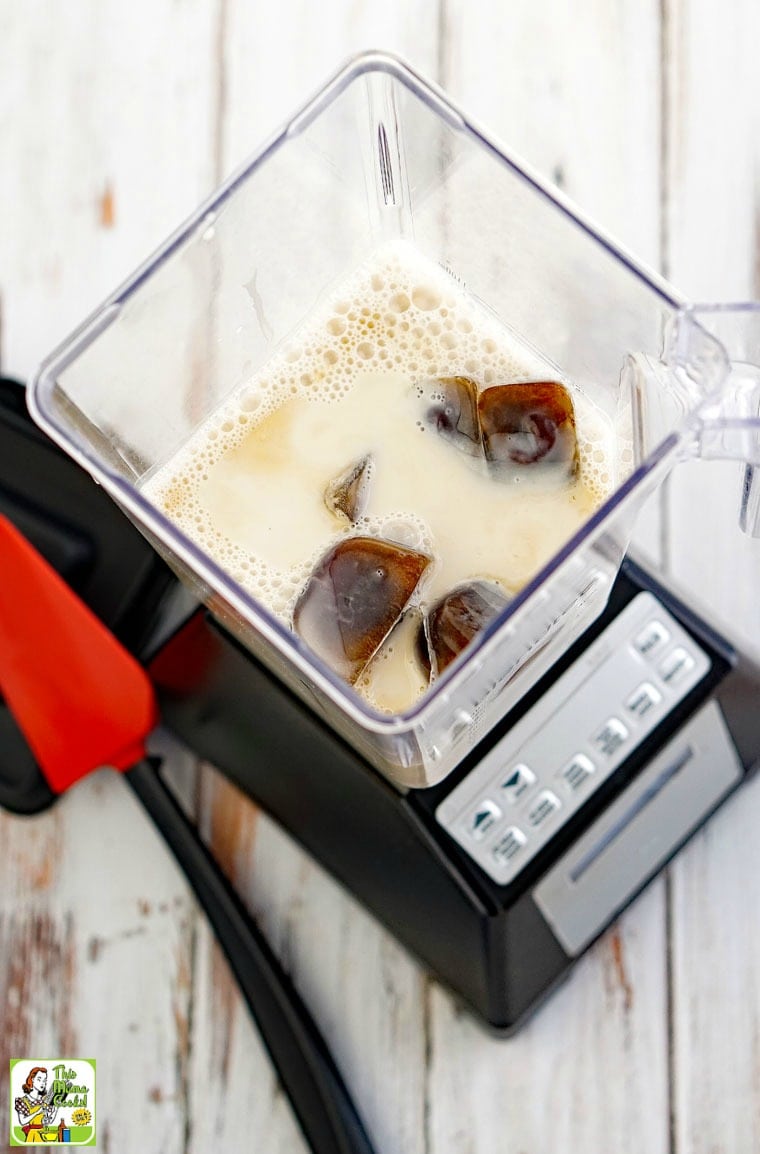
[716,349]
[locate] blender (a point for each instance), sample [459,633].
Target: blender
[500,823]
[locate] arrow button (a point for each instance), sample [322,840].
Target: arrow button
[518,781]
[482,819]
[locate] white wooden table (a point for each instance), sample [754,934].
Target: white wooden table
[115,119]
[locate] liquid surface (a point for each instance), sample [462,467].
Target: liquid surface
[255,486]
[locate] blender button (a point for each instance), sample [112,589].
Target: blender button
[543,807]
[482,819]
[516,783]
[644,698]
[577,771]
[676,665]
[651,638]
[610,737]
[510,843]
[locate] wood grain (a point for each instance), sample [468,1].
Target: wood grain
[588,1073]
[105,129]
[95,956]
[114,122]
[114,104]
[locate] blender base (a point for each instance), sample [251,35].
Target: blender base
[500,948]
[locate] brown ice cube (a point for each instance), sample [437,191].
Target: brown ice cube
[453,413]
[450,625]
[529,425]
[347,494]
[356,594]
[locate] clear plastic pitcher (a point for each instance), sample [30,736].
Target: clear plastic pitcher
[379,156]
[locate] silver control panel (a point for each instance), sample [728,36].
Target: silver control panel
[634,836]
[582,729]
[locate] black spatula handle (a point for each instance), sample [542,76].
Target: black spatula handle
[298,1051]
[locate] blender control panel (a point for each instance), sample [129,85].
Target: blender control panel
[569,742]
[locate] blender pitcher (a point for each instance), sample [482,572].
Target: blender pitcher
[379,156]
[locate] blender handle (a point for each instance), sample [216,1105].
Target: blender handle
[715,350]
[306,1068]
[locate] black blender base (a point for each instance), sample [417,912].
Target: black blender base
[491,945]
[79,530]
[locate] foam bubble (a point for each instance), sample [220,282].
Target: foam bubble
[396,311]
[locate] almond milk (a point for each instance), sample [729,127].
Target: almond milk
[249,485]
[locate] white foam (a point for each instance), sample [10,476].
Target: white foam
[397,318]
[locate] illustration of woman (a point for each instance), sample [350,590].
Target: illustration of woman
[34,1110]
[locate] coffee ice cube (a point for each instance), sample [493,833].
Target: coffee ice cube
[532,425]
[451,624]
[453,412]
[347,494]
[353,598]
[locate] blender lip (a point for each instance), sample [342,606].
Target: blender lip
[203,566]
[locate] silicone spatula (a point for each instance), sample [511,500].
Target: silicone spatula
[82,701]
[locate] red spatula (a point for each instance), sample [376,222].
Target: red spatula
[82,701]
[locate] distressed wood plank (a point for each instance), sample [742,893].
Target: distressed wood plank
[106,121]
[588,1073]
[574,90]
[95,958]
[138,102]
[365,993]
[362,989]
[106,125]
[576,93]
[713,209]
